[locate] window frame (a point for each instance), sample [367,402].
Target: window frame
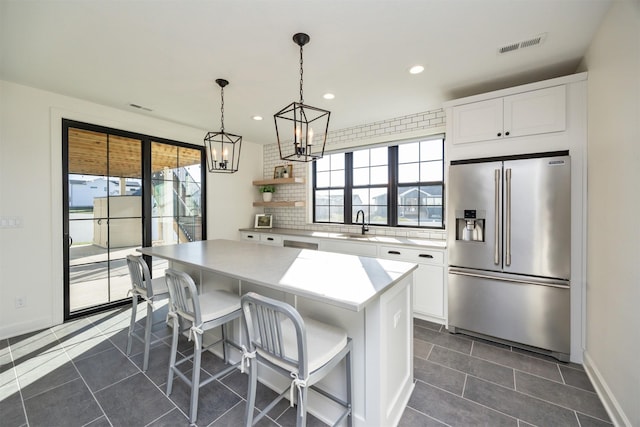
[392,186]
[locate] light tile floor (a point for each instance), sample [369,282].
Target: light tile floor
[77,374]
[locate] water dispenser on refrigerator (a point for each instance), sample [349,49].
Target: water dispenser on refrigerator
[470,225]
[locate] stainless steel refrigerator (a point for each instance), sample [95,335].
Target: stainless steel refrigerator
[509,246]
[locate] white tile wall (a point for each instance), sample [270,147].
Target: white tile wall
[296,217]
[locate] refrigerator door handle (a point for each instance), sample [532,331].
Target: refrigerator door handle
[496,237]
[538,281]
[508,219]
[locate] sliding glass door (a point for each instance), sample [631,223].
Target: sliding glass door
[122,191]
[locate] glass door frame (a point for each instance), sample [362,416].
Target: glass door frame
[147,218]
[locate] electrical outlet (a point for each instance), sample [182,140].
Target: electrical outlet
[21,302]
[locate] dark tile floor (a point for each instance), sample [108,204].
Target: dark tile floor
[77,374]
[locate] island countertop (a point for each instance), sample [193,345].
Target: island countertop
[346,281]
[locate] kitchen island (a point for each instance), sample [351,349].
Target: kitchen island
[370,298]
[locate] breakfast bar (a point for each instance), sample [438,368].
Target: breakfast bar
[370,298]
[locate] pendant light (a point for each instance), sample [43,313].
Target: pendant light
[300,127]
[223,149]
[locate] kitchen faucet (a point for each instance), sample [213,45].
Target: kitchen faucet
[364,227]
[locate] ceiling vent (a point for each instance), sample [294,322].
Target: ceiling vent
[140,107]
[534,41]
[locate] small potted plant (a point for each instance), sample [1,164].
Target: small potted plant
[267,192]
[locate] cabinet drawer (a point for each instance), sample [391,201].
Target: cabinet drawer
[422,256]
[271,239]
[247,235]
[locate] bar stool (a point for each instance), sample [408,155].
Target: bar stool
[142,285]
[198,313]
[302,349]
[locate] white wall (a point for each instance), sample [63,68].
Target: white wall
[31,190]
[613,252]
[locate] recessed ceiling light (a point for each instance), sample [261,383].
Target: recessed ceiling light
[258,118]
[416,69]
[328,96]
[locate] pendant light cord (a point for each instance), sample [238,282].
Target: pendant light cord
[222,110]
[301,98]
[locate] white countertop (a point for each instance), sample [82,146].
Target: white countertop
[347,281]
[372,238]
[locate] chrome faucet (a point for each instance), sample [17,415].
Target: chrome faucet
[364,227]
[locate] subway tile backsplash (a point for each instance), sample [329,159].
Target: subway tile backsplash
[296,217]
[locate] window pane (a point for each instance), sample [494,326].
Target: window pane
[336,197]
[431,150]
[322,213]
[359,198]
[336,214]
[361,176]
[379,156]
[378,215]
[360,158]
[323,164]
[323,179]
[337,161]
[408,153]
[337,178]
[322,197]
[431,171]
[379,175]
[408,173]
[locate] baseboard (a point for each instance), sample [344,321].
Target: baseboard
[609,401]
[31,325]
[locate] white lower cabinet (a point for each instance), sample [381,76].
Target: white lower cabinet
[428,286]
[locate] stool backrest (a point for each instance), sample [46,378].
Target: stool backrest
[183,295]
[140,276]
[265,319]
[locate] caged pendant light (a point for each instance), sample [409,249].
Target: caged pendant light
[297,123]
[223,149]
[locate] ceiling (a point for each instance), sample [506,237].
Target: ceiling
[165,55]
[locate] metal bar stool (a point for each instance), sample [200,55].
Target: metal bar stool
[142,285]
[198,313]
[302,349]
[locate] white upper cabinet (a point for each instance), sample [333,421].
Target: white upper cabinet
[527,113]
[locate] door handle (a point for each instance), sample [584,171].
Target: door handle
[393,252]
[425,256]
[496,233]
[508,219]
[70,240]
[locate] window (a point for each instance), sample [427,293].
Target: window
[399,185]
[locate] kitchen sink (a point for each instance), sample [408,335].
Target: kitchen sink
[353,236]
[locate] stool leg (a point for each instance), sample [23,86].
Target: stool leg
[147,335]
[301,420]
[132,324]
[349,388]
[174,351]
[251,393]
[224,342]
[195,377]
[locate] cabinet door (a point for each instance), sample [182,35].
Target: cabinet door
[535,112]
[428,290]
[428,286]
[478,121]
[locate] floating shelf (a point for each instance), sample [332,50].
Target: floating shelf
[276,181]
[282,204]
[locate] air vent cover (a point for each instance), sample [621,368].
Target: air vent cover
[534,41]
